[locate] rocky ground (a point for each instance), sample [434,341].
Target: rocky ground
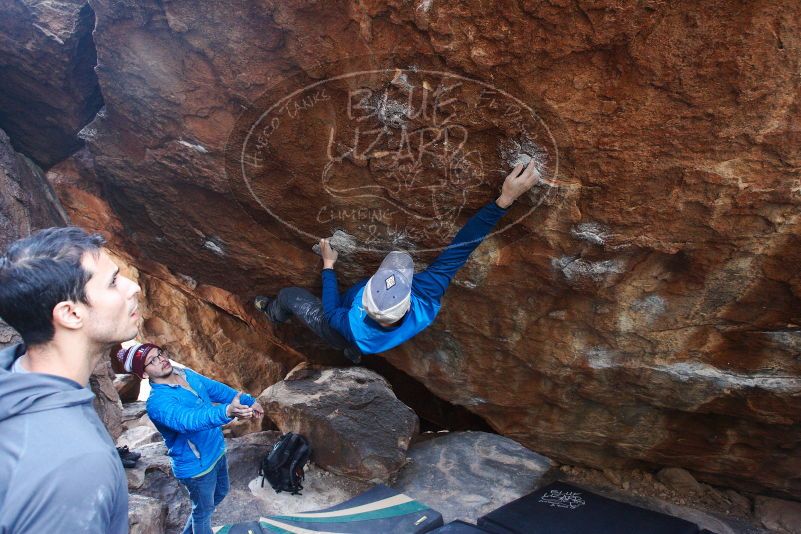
[463,475]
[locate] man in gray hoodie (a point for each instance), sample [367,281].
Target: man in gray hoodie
[59,469]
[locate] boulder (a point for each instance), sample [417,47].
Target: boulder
[146,515]
[679,480]
[139,436]
[127,386]
[152,477]
[107,401]
[8,336]
[48,87]
[27,201]
[242,427]
[135,414]
[464,475]
[351,417]
[739,500]
[781,516]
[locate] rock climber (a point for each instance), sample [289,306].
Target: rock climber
[392,306]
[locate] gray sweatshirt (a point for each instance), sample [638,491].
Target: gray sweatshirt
[59,470]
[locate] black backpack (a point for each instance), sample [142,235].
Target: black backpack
[283,466]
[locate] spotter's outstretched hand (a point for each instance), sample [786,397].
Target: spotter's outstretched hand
[518,182]
[237,409]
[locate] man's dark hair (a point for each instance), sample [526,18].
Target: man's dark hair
[38,272]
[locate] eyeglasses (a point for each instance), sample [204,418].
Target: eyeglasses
[159,356]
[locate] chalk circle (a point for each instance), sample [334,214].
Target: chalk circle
[395,173]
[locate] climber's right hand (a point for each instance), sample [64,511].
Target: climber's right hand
[518,182]
[328,253]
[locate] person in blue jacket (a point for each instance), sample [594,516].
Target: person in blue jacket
[188,410]
[392,306]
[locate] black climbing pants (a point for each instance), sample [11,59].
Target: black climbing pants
[309,309]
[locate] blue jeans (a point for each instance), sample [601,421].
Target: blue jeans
[205,492]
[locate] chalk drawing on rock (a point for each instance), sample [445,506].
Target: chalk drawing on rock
[408,142]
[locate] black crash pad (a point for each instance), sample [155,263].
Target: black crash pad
[459,527]
[560,508]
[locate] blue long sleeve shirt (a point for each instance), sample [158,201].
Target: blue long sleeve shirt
[347,316]
[190,421]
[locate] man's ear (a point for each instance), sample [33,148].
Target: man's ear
[144,376]
[68,314]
